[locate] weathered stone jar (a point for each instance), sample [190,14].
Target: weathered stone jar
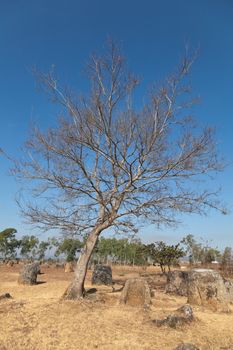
[206,288]
[136,292]
[102,274]
[28,274]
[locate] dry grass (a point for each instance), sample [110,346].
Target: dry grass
[37,319]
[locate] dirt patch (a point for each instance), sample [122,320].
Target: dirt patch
[37,319]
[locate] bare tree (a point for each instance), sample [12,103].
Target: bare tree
[109,164]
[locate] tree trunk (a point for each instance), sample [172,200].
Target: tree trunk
[76,288]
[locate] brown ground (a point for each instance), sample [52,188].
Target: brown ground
[37,319]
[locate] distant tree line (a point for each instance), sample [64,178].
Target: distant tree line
[200,252]
[113,251]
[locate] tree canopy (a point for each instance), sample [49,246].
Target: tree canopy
[8,243]
[113,161]
[109,161]
[69,247]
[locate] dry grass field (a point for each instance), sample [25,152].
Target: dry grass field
[37,319]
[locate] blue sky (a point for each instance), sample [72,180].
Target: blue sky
[153,34]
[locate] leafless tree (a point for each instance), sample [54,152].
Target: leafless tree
[109,163]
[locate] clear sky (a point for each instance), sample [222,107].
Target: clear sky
[153,34]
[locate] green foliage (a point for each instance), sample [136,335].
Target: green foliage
[192,248]
[8,243]
[209,254]
[122,251]
[42,247]
[142,254]
[227,257]
[28,246]
[134,252]
[198,252]
[165,255]
[69,247]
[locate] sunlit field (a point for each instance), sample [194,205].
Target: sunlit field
[36,318]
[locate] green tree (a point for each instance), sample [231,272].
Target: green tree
[192,248]
[209,254]
[42,248]
[199,252]
[8,243]
[137,252]
[227,258]
[28,246]
[126,251]
[69,247]
[103,249]
[141,253]
[165,255]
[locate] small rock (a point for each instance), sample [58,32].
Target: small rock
[60,265]
[181,316]
[152,293]
[69,267]
[91,291]
[186,346]
[102,274]
[136,292]
[5,296]
[186,310]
